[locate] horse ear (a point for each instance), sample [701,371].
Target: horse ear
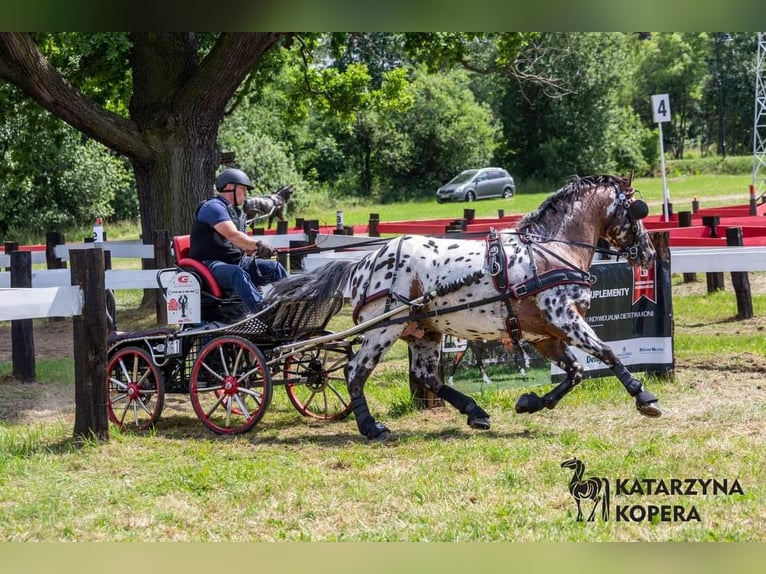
[638,209]
[630,178]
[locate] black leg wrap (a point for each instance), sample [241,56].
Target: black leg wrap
[631,384]
[529,403]
[365,422]
[477,416]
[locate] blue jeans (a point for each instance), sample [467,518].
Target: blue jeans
[245,278]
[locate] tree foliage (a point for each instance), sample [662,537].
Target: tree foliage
[374,115]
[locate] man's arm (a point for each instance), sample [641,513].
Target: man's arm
[247,242]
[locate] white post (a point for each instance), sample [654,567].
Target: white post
[660,114]
[665,191]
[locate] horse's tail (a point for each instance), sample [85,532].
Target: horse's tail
[319,285]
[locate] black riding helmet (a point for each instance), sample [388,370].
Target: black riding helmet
[232,175]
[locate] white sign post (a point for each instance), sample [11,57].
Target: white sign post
[661,113]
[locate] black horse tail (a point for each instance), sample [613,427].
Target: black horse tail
[318,285]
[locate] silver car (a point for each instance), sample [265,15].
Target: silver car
[475,184]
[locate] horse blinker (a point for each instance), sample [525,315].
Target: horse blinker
[638,209]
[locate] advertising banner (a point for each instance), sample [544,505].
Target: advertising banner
[631,310]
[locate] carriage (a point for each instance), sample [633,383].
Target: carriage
[529,284]
[229,367]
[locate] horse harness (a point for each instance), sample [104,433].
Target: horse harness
[497,264]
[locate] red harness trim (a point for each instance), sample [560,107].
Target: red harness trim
[497,263]
[365,301]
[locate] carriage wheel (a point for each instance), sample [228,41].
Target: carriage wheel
[315,380]
[230,387]
[136,391]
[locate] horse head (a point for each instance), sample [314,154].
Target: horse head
[623,228]
[285,192]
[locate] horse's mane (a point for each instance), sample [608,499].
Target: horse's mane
[561,201]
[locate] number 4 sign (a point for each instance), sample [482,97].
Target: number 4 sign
[661,108]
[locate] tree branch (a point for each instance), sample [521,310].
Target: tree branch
[22,64]
[223,69]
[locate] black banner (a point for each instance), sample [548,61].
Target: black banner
[631,310]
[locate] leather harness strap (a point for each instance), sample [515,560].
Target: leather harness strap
[498,267]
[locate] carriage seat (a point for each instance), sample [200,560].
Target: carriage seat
[181,244]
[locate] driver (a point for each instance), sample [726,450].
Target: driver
[237,261]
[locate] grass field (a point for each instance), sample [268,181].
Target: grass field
[294,479]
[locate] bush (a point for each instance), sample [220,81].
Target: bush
[737,165]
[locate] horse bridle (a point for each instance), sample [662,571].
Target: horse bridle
[636,209]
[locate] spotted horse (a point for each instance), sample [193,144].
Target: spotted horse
[530,283]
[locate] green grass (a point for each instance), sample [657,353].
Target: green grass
[712,191]
[294,479]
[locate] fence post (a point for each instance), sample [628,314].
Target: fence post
[714,279]
[685,220]
[739,279]
[53,238]
[89,332]
[372,225]
[162,260]
[22,330]
[282,256]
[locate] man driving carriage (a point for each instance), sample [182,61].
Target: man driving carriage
[237,261]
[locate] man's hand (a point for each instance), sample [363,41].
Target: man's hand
[263,251]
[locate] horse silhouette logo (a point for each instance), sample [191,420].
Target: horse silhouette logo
[594,488]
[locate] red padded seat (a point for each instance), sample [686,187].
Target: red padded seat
[181,250]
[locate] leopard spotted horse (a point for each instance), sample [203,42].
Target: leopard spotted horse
[531,283]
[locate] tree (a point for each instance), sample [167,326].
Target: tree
[180,86]
[50,175]
[673,64]
[579,120]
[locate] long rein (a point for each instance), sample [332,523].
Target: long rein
[474,277]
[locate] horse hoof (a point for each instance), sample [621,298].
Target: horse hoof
[382,437]
[529,403]
[648,405]
[379,432]
[481,423]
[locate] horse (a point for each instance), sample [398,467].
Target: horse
[530,283]
[589,489]
[271,206]
[482,348]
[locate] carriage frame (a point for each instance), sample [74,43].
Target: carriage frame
[229,369]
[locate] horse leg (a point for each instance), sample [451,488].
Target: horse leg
[358,370]
[478,350]
[578,333]
[458,359]
[646,402]
[425,359]
[583,337]
[557,351]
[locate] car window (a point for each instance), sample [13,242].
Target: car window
[463,177]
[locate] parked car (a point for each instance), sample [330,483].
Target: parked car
[473,184]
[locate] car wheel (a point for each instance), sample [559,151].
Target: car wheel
[470,196]
[439,200]
[508,192]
